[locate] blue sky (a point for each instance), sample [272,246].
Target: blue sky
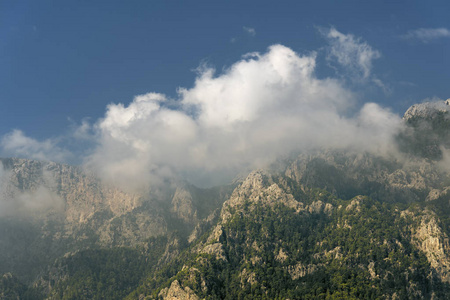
[64,62]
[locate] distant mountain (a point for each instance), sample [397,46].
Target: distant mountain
[321,225]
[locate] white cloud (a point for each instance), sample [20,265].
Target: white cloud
[263,106]
[38,200]
[426,35]
[82,131]
[16,143]
[350,52]
[251,31]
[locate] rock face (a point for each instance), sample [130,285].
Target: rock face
[427,110]
[57,208]
[49,209]
[429,238]
[176,292]
[74,194]
[345,205]
[300,270]
[350,174]
[182,205]
[78,200]
[259,187]
[427,130]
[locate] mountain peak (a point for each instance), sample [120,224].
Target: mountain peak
[427,110]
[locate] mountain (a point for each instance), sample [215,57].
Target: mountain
[427,129]
[328,224]
[49,210]
[289,235]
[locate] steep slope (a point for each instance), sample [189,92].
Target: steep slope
[348,174]
[48,210]
[269,244]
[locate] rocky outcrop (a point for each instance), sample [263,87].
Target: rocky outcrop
[215,249]
[182,206]
[58,208]
[81,194]
[82,204]
[319,206]
[435,194]
[427,110]
[300,270]
[431,240]
[248,277]
[348,174]
[260,188]
[177,292]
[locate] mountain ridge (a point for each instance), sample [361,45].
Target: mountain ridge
[328,224]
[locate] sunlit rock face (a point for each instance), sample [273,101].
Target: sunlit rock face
[419,234]
[427,133]
[427,109]
[430,238]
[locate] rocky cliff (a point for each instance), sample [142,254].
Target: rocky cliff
[49,209]
[289,233]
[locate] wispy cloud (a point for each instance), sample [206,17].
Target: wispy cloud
[16,143]
[251,31]
[351,53]
[426,35]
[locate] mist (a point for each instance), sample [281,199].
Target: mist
[38,199]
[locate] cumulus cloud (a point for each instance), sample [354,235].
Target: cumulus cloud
[350,52]
[263,106]
[16,143]
[426,35]
[251,31]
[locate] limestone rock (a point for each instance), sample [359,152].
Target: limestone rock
[427,109]
[214,249]
[177,292]
[182,205]
[300,270]
[259,188]
[429,238]
[318,207]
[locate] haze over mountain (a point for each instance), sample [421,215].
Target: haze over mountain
[67,235]
[300,151]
